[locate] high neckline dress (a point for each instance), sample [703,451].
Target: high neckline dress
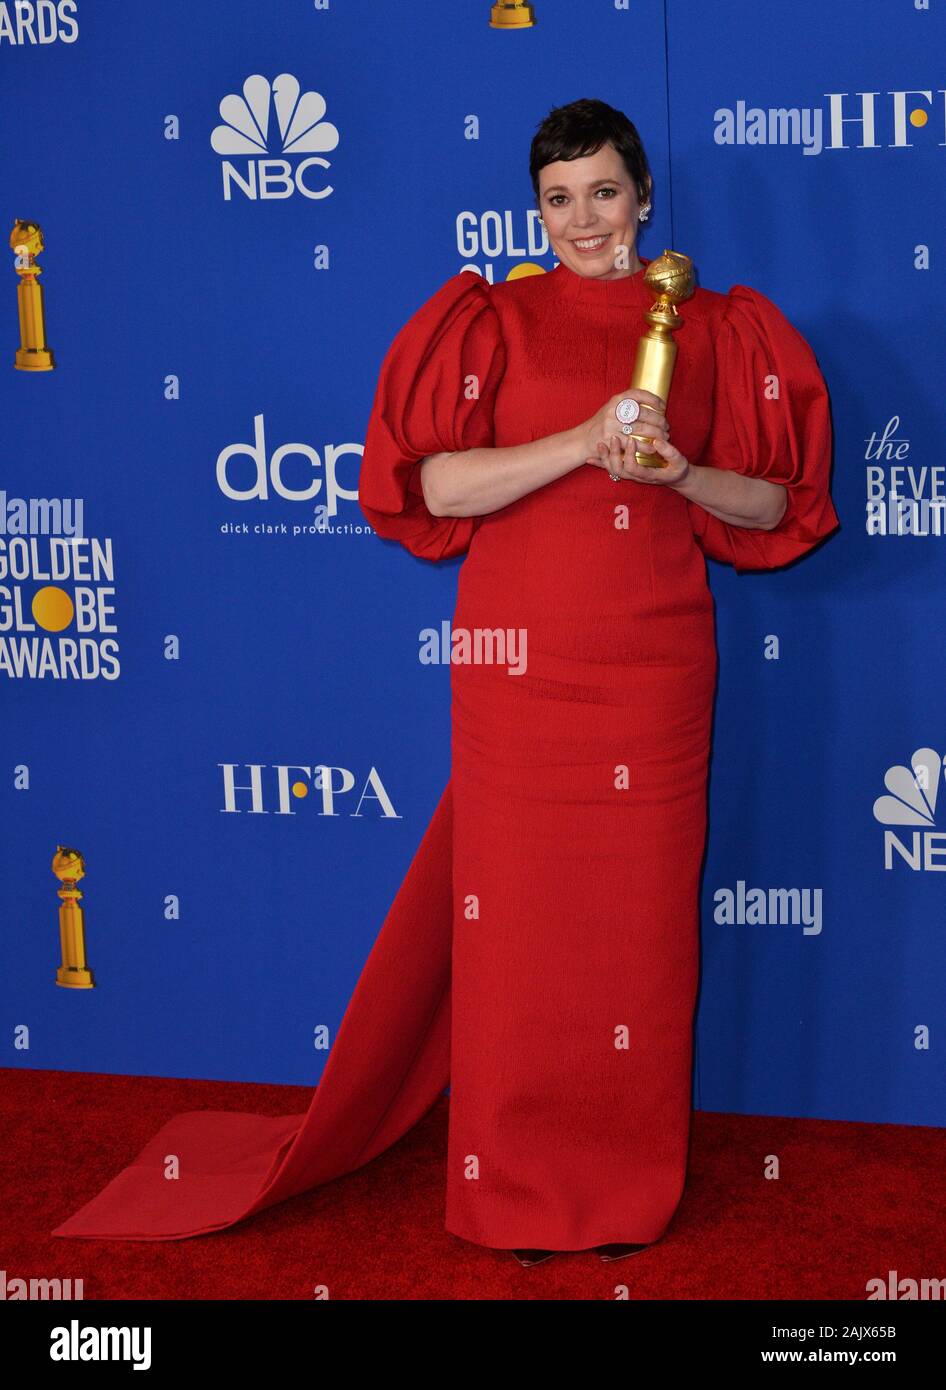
[541,955]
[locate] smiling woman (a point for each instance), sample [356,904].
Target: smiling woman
[541,954]
[591,199]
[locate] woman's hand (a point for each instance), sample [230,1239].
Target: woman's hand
[618,457]
[651,422]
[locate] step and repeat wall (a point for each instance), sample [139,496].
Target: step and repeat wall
[215,678]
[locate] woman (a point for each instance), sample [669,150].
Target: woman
[541,955]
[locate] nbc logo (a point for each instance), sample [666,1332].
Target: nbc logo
[247,132]
[912,801]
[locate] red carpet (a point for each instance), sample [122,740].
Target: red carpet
[853,1202]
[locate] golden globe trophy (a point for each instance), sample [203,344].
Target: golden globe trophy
[69,867]
[26,241]
[670,276]
[514,14]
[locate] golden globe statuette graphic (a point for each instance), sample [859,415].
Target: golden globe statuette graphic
[69,867]
[26,241]
[670,276]
[514,14]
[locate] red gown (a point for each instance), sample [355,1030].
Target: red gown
[541,955]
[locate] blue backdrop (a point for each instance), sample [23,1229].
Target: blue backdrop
[219,306]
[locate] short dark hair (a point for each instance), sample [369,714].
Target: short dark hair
[581,128]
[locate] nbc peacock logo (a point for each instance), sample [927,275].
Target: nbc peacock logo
[265,131]
[912,802]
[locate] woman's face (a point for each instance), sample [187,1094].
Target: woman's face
[590,209]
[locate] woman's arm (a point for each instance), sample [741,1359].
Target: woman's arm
[475,482]
[734,497]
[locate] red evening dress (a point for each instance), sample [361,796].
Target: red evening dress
[541,954]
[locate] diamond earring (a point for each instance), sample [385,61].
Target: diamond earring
[644,213]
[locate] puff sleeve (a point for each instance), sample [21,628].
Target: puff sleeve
[435,393]
[785,440]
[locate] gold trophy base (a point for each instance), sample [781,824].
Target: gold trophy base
[512,16]
[74,977]
[34,360]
